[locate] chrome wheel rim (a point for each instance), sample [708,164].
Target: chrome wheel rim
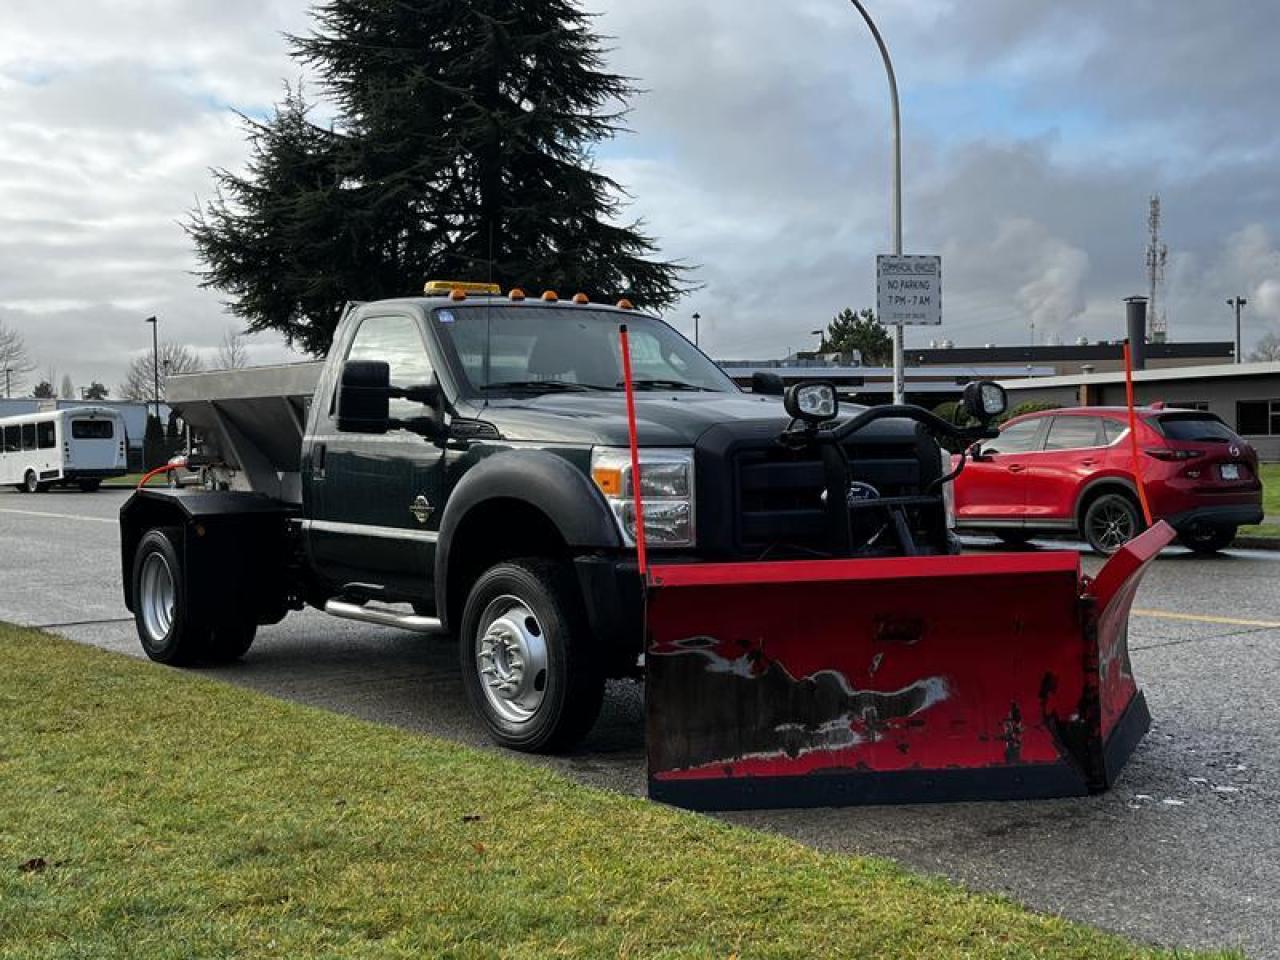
[1112,526]
[156,597]
[511,659]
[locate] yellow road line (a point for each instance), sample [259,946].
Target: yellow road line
[1197,618]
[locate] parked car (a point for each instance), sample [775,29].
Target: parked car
[1071,471]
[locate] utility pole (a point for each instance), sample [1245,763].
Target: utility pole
[155,361]
[696,318]
[1239,303]
[7,372]
[899,352]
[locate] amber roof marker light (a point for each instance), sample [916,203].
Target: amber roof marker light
[581,299]
[625,304]
[551,297]
[516,295]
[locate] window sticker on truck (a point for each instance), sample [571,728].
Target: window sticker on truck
[445,316]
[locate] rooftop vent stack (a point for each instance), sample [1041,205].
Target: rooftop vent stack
[1136,316]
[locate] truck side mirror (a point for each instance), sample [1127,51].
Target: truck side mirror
[364,397]
[769,384]
[431,396]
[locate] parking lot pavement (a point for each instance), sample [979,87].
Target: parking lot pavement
[1184,852]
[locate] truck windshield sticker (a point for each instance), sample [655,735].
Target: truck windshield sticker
[445,316]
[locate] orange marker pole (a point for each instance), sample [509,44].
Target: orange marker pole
[1133,435]
[642,552]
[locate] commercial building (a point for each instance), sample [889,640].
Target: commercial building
[1070,359]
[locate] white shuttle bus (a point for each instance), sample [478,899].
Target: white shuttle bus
[81,446]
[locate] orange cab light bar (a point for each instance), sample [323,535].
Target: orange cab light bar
[447,288]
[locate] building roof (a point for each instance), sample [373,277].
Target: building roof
[1067,353]
[1217,371]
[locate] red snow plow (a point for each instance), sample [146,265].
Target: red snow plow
[891,679]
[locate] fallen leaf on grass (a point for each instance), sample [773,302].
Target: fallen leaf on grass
[478,848]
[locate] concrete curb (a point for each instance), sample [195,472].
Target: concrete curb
[1256,543]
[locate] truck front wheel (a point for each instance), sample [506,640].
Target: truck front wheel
[528,662]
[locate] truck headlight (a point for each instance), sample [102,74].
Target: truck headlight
[666,486]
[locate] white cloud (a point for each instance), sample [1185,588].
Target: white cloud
[1034,135]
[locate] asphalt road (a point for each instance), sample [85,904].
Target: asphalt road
[1184,852]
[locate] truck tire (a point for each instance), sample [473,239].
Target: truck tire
[159,601]
[1207,539]
[229,642]
[30,483]
[529,665]
[1111,521]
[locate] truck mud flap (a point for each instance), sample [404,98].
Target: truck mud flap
[901,680]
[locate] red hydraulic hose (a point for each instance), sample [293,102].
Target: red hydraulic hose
[641,548]
[1133,435]
[155,473]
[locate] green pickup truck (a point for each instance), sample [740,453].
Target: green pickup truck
[459,464]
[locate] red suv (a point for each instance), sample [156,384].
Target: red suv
[1071,471]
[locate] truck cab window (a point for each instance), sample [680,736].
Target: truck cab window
[395,340]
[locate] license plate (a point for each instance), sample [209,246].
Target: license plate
[1231,471]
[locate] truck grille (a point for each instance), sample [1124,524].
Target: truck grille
[779,495]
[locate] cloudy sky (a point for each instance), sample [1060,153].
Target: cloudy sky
[1035,133]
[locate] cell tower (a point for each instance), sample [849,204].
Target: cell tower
[1157,261]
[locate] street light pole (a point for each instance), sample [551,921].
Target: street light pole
[899,353]
[155,362]
[1239,303]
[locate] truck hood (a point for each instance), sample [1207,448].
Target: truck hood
[663,419]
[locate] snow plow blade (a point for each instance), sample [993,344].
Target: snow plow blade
[901,680]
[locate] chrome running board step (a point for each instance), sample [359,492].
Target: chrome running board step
[383,617]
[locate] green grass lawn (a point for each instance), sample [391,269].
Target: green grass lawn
[1270,473]
[151,814]
[130,480]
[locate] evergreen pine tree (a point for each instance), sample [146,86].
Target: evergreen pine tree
[850,331]
[461,150]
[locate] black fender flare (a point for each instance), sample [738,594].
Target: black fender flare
[539,479]
[239,548]
[1117,482]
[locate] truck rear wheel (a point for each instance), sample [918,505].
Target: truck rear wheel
[528,661]
[159,601]
[163,619]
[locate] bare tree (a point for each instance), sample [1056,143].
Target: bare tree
[175,358]
[232,354]
[1268,349]
[15,362]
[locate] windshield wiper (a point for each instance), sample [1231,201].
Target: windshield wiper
[666,385]
[549,386]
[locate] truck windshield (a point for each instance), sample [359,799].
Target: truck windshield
[558,349]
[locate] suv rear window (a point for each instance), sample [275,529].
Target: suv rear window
[1197,427]
[92,429]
